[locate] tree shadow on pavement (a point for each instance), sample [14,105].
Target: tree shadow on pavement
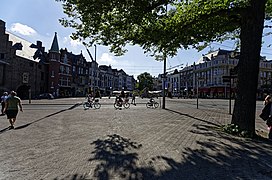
[211,155]
[35,121]
[219,157]
[116,156]
[226,158]
[188,115]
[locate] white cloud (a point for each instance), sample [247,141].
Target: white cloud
[65,39]
[22,29]
[107,59]
[75,43]
[70,42]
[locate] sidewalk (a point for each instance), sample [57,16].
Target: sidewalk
[180,142]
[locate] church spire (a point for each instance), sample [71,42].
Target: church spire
[55,45]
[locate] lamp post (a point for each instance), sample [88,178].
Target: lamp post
[94,74]
[164,81]
[95,52]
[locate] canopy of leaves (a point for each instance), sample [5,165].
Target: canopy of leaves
[145,80]
[156,25]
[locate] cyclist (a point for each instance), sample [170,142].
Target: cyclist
[90,99]
[120,98]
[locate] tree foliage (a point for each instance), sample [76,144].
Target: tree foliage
[156,25]
[145,81]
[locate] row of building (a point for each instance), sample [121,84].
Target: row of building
[208,76]
[30,70]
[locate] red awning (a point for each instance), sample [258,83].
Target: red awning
[220,90]
[205,90]
[217,89]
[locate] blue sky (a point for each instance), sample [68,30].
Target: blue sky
[38,20]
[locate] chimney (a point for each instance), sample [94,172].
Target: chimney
[2,27]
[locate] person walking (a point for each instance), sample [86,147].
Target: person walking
[11,108]
[3,100]
[133,99]
[266,114]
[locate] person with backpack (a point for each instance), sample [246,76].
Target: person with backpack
[11,108]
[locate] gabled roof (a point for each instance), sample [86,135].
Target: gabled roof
[23,47]
[55,45]
[208,57]
[121,71]
[104,67]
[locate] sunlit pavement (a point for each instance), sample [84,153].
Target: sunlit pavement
[58,139]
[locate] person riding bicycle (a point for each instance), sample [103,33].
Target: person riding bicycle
[90,99]
[120,98]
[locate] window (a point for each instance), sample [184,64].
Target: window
[67,70]
[65,60]
[52,73]
[53,56]
[61,69]
[2,56]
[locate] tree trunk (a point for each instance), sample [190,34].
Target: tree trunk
[248,67]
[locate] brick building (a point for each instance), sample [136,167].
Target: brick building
[19,70]
[29,70]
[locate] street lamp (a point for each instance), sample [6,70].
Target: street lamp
[95,52]
[164,81]
[95,74]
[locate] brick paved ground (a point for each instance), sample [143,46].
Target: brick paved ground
[137,143]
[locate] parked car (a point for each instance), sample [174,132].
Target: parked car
[46,96]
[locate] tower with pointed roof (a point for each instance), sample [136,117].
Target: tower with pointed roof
[54,66]
[55,45]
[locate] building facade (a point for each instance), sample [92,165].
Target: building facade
[206,77]
[29,70]
[19,68]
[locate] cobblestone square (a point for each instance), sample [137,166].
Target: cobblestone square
[58,139]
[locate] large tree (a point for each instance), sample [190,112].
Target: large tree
[164,26]
[145,81]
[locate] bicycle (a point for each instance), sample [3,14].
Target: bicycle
[92,104]
[118,103]
[152,104]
